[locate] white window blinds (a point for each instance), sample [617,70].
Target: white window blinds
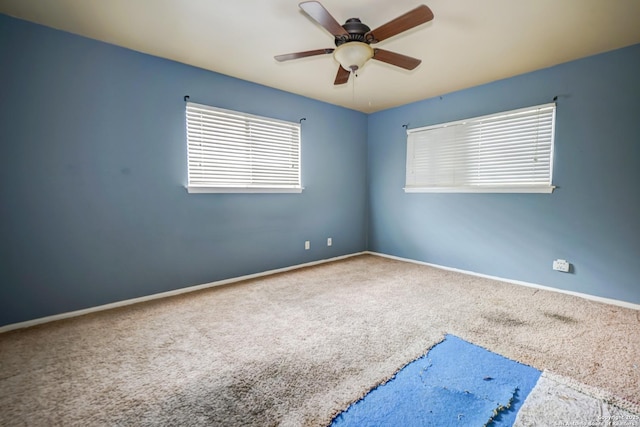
[230,151]
[505,152]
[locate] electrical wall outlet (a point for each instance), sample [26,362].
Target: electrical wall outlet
[561,265]
[329,241]
[307,245]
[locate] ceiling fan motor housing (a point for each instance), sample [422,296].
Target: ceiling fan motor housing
[357,31]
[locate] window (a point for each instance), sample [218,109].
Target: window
[231,152]
[506,152]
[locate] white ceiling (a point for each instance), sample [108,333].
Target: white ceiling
[468,43]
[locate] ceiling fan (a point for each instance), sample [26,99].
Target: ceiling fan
[353,40]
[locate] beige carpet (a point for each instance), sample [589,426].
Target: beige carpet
[296,348]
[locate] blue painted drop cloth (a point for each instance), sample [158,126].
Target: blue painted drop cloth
[455,384]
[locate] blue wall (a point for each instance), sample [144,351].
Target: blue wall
[591,219]
[93,167]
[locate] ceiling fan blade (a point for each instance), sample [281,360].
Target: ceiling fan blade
[413,18]
[315,10]
[342,77]
[290,56]
[402,61]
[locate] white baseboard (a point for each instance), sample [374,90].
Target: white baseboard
[76,313]
[616,302]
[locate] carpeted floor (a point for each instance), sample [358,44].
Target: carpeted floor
[297,348]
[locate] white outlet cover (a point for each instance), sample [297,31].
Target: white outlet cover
[561,265]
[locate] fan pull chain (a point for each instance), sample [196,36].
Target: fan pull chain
[353,87]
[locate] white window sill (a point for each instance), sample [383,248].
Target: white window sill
[197,190]
[505,189]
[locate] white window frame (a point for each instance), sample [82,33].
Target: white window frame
[235,152]
[514,156]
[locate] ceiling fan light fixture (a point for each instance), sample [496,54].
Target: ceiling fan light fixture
[353,55]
